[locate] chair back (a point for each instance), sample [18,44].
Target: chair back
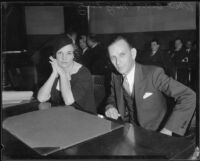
[23,78]
[99,91]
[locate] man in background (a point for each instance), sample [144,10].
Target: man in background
[156,56]
[85,51]
[98,61]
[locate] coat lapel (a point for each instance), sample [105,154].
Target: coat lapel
[119,93]
[138,83]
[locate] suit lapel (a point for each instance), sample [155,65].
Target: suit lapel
[138,83]
[119,93]
[137,89]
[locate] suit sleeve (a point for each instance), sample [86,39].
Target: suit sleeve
[184,97]
[111,99]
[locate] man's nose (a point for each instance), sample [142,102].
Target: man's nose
[117,62]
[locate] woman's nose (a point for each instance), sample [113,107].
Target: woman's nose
[63,56]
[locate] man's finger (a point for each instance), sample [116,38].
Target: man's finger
[114,113]
[108,113]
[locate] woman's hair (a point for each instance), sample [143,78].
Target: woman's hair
[62,41]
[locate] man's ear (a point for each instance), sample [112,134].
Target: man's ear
[133,53]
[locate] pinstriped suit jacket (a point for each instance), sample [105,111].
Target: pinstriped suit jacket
[151,84]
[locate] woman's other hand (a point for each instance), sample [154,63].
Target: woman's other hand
[56,68]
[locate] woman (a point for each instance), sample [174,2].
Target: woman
[70,83]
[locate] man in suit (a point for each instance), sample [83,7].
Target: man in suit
[156,56]
[98,61]
[85,54]
[137,93]
[181,60]
[191,58]
[190,54]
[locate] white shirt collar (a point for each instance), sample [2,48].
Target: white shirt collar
[130,77]
[58,86]
[85,50]
[188,50]
[153,52]
[94,45]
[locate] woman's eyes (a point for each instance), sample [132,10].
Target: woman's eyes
[67,53]
[70,53]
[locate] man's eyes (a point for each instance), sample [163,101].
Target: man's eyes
[122,54]
[112,57]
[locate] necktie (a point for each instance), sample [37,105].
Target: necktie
[126,85]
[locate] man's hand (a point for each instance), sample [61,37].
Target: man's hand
[166,132]
[112,112]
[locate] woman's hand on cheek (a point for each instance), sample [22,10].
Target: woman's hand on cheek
[56,67]
[53,65]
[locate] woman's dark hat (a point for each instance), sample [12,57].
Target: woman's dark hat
[62,41]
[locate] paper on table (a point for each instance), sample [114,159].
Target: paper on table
[56,128]
[12,103]
[13,52]
[16,96]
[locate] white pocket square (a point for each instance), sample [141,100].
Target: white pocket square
[147,94]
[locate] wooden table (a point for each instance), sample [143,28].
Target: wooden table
[128,141]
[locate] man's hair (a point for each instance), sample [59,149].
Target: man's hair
[72,30]
[117,38]
[178,38]
[189,41]
[92,37]
[155,40]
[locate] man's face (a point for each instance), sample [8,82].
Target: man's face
[178,44]
[154,46]
[84,38]
[74,36]
[189,44]
[89,42]
[122,56]
[82,44]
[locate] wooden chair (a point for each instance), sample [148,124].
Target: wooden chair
[99,92]
[23,78]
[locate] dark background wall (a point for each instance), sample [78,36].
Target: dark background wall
[18,31]
[129,19]
[141,40]
[17,34]
[13,27]
[75,18]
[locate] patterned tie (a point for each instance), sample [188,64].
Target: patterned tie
[126,86]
